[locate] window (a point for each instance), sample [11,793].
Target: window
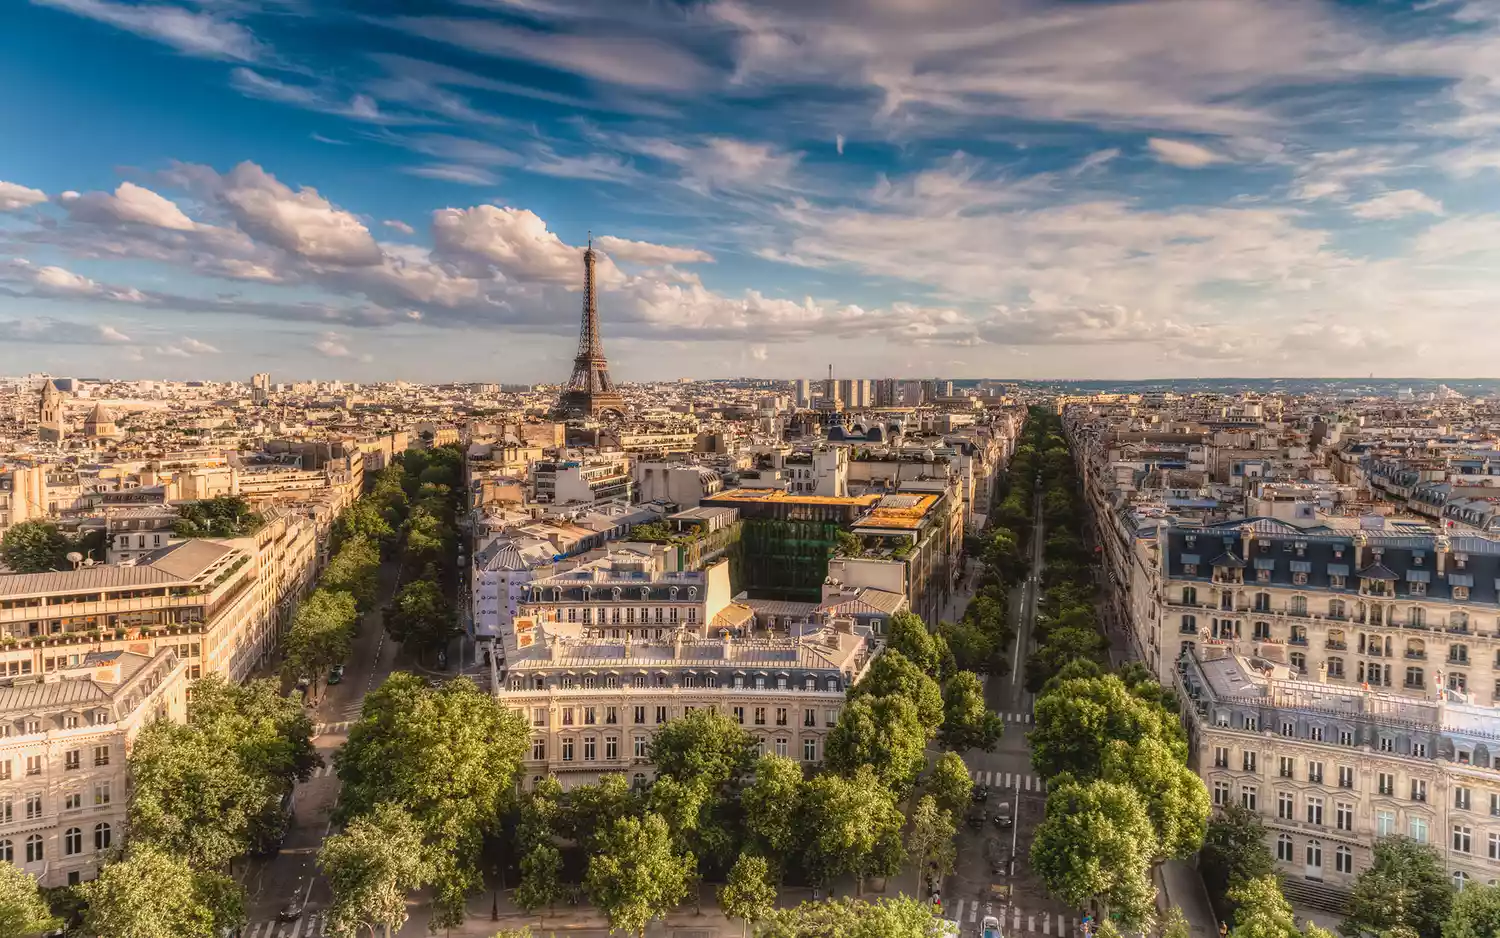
[1315,811]
[1299,661]
[1386,783]
[5,770]
[567,750]
[1346,737]
[1336,667]
[590,716]
[1285,765]
[1344,816]
[1387,744]
[1221,793]
[1286,806]
[781,716]
[1346,776]
[830,717]
[1252,723]
[7,852]
[1385,823]
[1284,848]
[538,716]
[101,755]
[611,748]
[1460,878]
[1417,829]
[1189,626]
[1247,761]
[72,759]
[1343,860]
[1315,772]
[567,716]
[7,810]
[781,746]
[1418,789]
[1288,728]
[810,750]
[72,801]
[1495,846]
[103,834]
[661,715]
[809,717]
[73,842]
[760,716]
[1463,839]
[1462,797]
[739,715]
[1314,856]
[1221,757]
[1190,596]
[1414,677]
[33,765]
[1248,796]
[589,748]
[538,750]
[34,852]
[640,747]
[33,805]
[640,715]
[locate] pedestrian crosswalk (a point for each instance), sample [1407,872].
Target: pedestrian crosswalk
[1016,717]
[1009,781]
[323,771]
[326,729]
[1015,921]
[311,925]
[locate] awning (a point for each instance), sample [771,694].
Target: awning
[1265,563]
[1191,558]
[1418,576]
[1301,566]
[1338,569]
[1460,579]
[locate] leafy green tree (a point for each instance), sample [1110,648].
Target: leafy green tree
[153,894]
[221,516]
[1062,646]
[974,648]
[371,866]
[903,917]
[1078,719]
[772,804]
[1261,910]
[851,825]
[1475,914]
[1096,841]
[449,756]
[541,883]
[635,876]
[1175,925]
[849,544]
[894,673]
[908,635]
[950,784]
[1175,796]
[321,634]
[1234,849]
[420,616]
[1403,888]
[883,732]
[748,894]
[590,808]
[23,911]
[703,746]
[355,569]
[967,722]
[363,519]
[929,840]
[34,547]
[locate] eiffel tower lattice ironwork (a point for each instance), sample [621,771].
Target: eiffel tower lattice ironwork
[590,391]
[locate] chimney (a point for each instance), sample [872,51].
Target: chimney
[1359,552]
[1441,547]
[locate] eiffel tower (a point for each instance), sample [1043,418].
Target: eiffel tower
[590,392]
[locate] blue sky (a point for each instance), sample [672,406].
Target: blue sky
[210,188]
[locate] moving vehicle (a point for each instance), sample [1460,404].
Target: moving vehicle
[336,676]
[1003,816]
[975,818]
[290,912]
[981,794]
[990,927]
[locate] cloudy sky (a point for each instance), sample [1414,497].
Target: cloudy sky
[1004,188]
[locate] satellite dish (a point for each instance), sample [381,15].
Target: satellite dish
[74,558]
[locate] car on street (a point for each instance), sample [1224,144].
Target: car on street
[976,818]
[336,676]
[990,927]
[1003,816]
[981,794]
[290,912]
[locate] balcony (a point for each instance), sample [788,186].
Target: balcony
[1336,646]
[1416,655]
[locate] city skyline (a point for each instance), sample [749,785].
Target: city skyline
[1237,188]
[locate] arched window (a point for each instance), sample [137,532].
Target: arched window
[639,780]
[1336,609]
[1314,855]
[1460,880]
[7,851]
[1416,648]
[1262,602]
[615,593]
[1297,605]
[1190,595]
[34,851]
[1189,625]
[1343,860]
[1284,849]
[72,842]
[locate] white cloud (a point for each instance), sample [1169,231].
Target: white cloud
[721,163]
[130,204]
[1398,203]
[398,225]
[644,252]
[41,330]
[453,172]
[759,352]
[513,241]
[186,347]
[301,222]
[111,334]
[14,197]
[194,33]
[332,345]
[838,143]
[1183,153]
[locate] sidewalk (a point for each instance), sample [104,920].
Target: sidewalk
[1181,886]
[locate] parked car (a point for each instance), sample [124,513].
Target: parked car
[981,794]
[990,927]
[976,818]
[290,912]
[336,676]
[1003,816]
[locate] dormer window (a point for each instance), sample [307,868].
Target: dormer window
[672,594]
[692,592]
[615,593]
[1461,560]
[1416,559]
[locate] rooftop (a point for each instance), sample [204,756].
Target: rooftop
[777,495]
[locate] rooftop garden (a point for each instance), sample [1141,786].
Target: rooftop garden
[224,516]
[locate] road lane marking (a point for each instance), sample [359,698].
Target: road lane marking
[958,915]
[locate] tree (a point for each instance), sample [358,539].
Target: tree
[850,544]
[321,633]
[967,722]
[371,867]
[950,783]
[590,808]
[1261,910]
[34,547]
[894,673]
[355,569]
[1234,850]
[635,876]
[1096,841]
[222,516]
[883,732]
[748,894]
[1175,925]
[908,635]
[541,878]
[1062,645]
[1475,914]
[1175,797]
[930,838]
[851,825]
[153,894]
[1404,887]
[703,746]
[772,804]
[363,519]
[419,615]
[1077,719]
[449,756]
[973,648]
[902,917]
[23,911]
